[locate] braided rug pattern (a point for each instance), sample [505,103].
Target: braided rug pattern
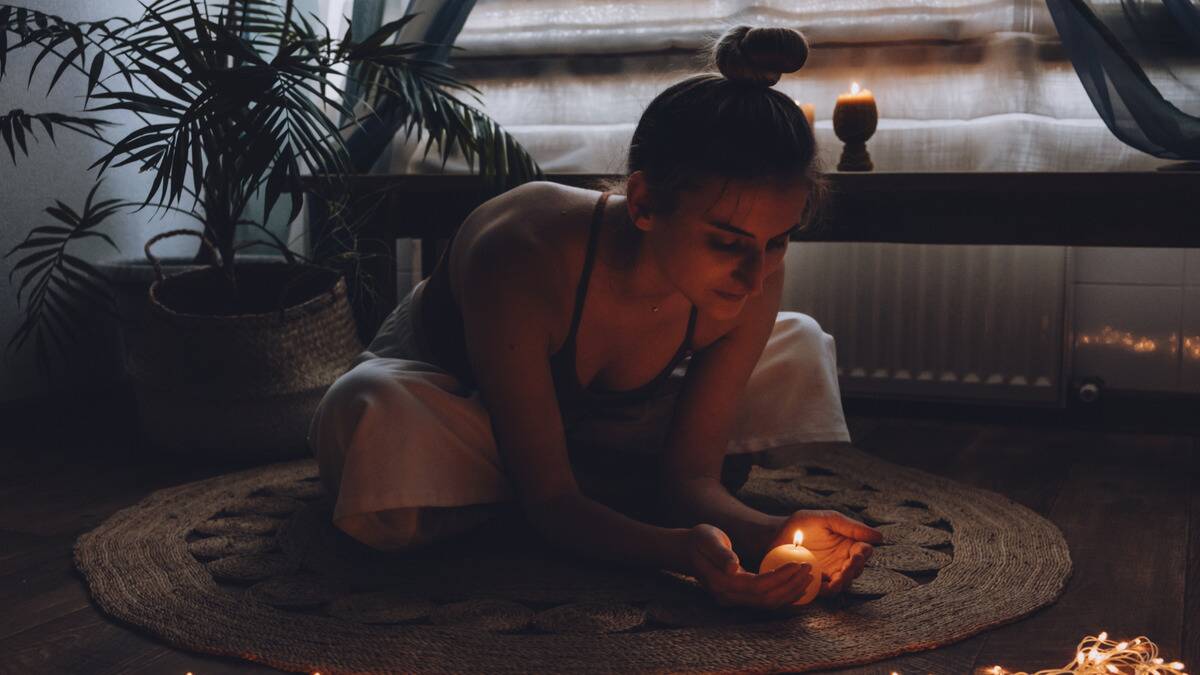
[249,565]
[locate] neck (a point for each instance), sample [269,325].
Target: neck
[631,270]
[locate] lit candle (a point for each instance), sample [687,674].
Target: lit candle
[854,119]
[856,96]
[810,112]
[794,552]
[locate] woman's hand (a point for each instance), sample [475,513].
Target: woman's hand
[841,545]
[712,561]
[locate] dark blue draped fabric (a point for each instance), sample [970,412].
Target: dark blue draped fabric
[1112,55]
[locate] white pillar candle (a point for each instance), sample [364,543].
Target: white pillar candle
[794,552]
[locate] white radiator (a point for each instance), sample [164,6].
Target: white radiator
[937,322]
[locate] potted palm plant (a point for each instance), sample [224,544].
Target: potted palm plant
[229,106]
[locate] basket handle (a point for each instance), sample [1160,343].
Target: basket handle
[158,273]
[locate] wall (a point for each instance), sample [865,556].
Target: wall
[60,171]
[1132,316]
[1137,318]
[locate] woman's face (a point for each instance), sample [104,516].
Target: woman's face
[724,238]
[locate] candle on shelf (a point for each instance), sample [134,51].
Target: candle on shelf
[794,552]
[855,117]
[856,96]
[810,112]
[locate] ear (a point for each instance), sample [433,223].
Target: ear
[637,200]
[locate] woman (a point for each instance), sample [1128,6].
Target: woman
[529,367]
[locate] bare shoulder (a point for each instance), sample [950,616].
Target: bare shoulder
[535,210]
[536,214]
[526,241]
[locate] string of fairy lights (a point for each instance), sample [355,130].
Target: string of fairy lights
[1098,655]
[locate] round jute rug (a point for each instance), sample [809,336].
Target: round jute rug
[248,565]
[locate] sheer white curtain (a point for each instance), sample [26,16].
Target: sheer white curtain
[960,84]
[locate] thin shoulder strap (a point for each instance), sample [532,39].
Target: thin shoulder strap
[589,257]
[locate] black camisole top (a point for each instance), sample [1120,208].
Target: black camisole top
[441,319]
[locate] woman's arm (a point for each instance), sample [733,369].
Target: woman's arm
[588,527]
[704,500]
[508,314]
[703,420]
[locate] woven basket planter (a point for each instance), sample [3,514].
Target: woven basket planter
[239,385]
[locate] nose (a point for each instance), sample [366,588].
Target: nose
[750,272]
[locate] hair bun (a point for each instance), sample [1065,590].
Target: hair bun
[759,55]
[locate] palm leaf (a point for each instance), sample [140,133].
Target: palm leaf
[18,122]
[424,109]
[94,43]
[58,290]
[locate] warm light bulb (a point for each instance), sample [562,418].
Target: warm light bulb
[798,538]
[854,88]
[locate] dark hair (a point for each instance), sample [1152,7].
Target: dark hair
[731,124]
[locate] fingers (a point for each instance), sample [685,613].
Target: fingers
[722,559]
[717,549]
[779,579]
[798,590]
[848,527]
[771,590]
[791,592]
[860,552]
[863,549]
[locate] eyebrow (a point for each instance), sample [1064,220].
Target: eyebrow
[722,225]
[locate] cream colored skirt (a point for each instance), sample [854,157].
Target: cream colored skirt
[398,432]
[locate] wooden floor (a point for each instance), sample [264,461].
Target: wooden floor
[1128,504]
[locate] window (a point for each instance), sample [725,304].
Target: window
[960,84]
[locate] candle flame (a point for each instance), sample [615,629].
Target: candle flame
[854,88]
[798,538]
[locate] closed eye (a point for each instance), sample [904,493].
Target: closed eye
[734,245]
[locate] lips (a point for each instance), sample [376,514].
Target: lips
[733,297]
